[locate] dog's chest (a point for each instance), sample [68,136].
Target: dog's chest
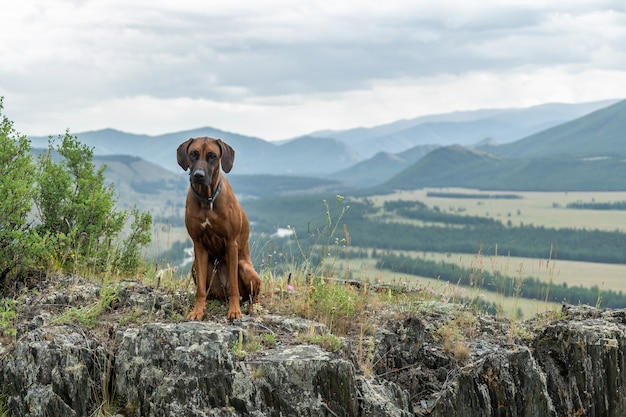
[206,228]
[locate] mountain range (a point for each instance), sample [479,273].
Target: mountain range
[584,154]
[324,152]
[552,146]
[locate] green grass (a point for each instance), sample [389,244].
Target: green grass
[4,412]
[8,317]
[88,315]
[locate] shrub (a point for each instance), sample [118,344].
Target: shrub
[18,245]
[78,214]
[75,206]
[128,257]
[75,225]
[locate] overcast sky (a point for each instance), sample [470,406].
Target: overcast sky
[278,69]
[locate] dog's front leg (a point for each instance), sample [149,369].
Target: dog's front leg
[202,271]
[232,255]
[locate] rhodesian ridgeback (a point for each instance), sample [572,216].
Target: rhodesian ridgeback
[218,227]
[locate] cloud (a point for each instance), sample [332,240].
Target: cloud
[245,65]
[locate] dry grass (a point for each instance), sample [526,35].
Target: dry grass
[354,308]
[446,291]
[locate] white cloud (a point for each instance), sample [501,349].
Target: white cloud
[281,117]
[280,68]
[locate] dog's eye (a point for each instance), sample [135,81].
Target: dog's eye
[211,155]
[194,154]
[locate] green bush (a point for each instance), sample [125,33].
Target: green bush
[78,214]
[75,225]
[128,257]
[18,245]
[75,205]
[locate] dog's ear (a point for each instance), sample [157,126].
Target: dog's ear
[228,155]
[181,154]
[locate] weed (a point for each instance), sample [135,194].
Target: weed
[333,303]
[455,332]
[317,255]
[599,300]
[7,318]
[107,406]
[256,373]
[4,412]
[238,349]
[241,349]
[328,341]
[268,339]
[366,354]
[87,316]
[135,315]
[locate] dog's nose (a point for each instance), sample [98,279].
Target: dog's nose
[199,174]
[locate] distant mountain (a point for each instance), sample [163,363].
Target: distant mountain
[310,155]
[373,171]
[161,149]
[381,166]
[465,128]
[307,155]
[446,166]
[456,166]
[601,133]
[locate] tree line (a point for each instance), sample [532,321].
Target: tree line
[524,287]
[442,194]
[387,229]
[618,205]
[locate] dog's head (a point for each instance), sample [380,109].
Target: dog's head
[202,156]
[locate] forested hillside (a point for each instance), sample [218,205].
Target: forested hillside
[456,166]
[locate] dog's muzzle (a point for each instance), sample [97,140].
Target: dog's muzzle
[198,176]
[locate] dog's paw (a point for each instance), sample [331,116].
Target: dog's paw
[195,315]
[234,314]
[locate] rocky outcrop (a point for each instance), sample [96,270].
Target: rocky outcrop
[572,365]
[189,369]
[55,371]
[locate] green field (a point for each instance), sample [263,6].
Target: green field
[538,208]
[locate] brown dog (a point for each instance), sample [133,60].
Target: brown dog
[218,227]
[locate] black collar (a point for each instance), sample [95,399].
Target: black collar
[208,200]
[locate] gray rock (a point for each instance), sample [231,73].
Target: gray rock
[383,398]
[508,382]
[585,363]
[55,371]
[189,369]
[169,369]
